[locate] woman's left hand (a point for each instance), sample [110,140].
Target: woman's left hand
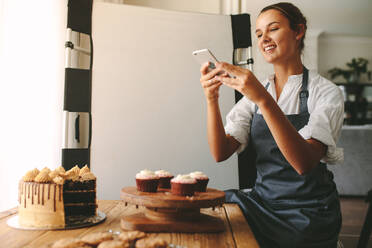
[244,81]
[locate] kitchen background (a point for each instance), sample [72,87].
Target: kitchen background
[32,75]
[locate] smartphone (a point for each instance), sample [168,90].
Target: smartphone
[204,55]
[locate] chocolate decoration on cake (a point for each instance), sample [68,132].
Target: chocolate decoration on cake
[48,191]
[38,194]
[42,197]
[60,193]
[54,197]
[32,194]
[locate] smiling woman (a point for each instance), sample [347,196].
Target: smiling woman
[31,89]
[291,121]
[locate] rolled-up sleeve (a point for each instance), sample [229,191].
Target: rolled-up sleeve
[326,121]
[238,122]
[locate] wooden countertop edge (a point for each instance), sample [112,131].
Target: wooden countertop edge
[242,233]
[229,228]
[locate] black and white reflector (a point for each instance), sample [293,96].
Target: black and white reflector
[77,95]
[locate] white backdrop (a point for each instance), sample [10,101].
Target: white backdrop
[32,38]
[148,107]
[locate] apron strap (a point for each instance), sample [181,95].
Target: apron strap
[304,93]
[255,106]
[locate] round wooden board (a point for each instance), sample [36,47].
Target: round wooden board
[204,223]
[164,199]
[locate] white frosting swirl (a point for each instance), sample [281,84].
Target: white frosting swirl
[146,174]
[183,179]
[198,175]
[163,173]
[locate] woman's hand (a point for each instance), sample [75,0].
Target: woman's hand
[209,83]
[244,81]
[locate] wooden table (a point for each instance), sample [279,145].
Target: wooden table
[237,232]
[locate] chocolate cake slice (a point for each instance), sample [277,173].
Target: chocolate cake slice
[79,198]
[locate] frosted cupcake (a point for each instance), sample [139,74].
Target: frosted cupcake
[164,179]
[183,185]
[147,181]
[201,179]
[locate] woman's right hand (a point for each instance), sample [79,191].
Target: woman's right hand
[210,85]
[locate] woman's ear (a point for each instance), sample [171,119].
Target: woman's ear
[300,31]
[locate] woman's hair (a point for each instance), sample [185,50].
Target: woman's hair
[294,16]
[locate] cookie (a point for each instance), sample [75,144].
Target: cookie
[113,244]
[152,243]
[68,243]
[131,236]
[96,238]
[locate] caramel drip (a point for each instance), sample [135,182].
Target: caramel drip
[48,191]
[28,191]
[19,192]
[32,194]
[60,192]
[42,195]
[21,186]
[54,197]
[38,193]
[24,191]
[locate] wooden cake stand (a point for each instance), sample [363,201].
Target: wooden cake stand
[165,212]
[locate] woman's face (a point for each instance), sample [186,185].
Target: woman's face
[277,42]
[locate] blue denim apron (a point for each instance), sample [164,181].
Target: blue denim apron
[285,209]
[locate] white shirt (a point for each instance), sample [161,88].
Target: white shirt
[325,105]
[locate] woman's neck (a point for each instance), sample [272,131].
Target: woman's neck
[284,70]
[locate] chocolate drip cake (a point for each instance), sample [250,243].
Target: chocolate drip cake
[52,198]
